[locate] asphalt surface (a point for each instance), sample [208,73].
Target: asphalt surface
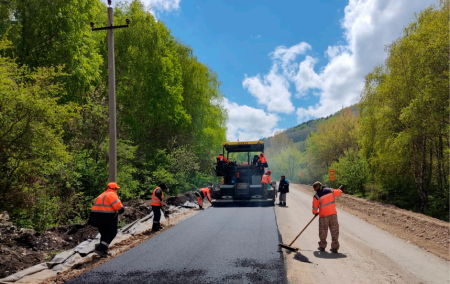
[218,245]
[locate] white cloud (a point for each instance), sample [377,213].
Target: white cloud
[162,5]
[272,91]
[156,6]
[248,124]
[369,26]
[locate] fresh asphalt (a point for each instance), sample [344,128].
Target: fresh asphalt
[218,245]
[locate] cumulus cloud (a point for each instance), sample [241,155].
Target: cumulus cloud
[272,91]
[248,124]
[369,26]
[156,6]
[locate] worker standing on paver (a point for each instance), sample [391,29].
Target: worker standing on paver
[157,205]
[201,194]
[104,216]
[266,179]
[222,158]
[283,188]
[324,202]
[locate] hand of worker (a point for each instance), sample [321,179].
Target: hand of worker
[316,214]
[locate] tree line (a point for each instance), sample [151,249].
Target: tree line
[54,109]
[396,149]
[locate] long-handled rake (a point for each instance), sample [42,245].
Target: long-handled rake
[288,247]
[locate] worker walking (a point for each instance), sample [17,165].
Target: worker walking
[266,179]
[201,194]
[104,216]
[157,205]
[324,205]
[283,188]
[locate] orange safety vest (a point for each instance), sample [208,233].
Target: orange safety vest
[262,158]
[206,192]
[326,203]
[266,179]
[155,200]
[107,202]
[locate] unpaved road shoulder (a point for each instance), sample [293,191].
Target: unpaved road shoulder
[367,255]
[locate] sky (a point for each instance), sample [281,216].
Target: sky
[283,62]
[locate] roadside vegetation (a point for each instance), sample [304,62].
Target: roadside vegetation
[54,109]
[393,146]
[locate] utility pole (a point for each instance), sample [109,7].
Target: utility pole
[111,91]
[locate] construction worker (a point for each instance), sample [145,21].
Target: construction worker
[157,205]
[324,205]
[263,160]
[283,188]
[266,179]
[104,215]
[201,194]
[222,158]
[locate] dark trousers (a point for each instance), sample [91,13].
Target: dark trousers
[156,217]
[107,235]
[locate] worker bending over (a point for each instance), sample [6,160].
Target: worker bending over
[201,194]
[104,216]
[266,179]
[157,205]
[324,202]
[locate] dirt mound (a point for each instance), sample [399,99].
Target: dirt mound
[180,199]
[22,248]
[426,232]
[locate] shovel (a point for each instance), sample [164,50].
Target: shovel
[289,247]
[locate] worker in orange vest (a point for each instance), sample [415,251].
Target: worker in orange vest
[324,205]
[263,160]
[266,179]
[222,158]
[157,205]
[104,216]
[201,194]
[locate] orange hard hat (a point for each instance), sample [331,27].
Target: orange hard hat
[113,185]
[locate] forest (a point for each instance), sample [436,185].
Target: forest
[395,147]
[54,109]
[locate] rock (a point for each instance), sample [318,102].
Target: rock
[27,231]
[4,217]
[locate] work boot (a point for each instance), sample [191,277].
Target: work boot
[100,251]
[200,207]
[334,250]
[156,226]
[321,249]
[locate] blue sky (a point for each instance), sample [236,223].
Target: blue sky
[285,62]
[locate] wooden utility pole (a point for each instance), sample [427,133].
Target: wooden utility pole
[111,92]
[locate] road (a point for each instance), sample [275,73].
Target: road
[240,245]
[367,255]
[218,245]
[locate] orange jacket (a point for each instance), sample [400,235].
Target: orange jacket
[205,192]
[262,158]
[324,200]
[107,202]
[222,158]
[155,199]
[266,179]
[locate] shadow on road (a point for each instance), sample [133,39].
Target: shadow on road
[324,254]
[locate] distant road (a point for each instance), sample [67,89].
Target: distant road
[218,245]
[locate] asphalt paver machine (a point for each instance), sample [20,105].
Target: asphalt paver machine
[241,175]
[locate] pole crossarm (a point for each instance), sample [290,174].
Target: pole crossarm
[110,28]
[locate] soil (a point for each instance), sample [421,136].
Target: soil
[23,248]
[430,234]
